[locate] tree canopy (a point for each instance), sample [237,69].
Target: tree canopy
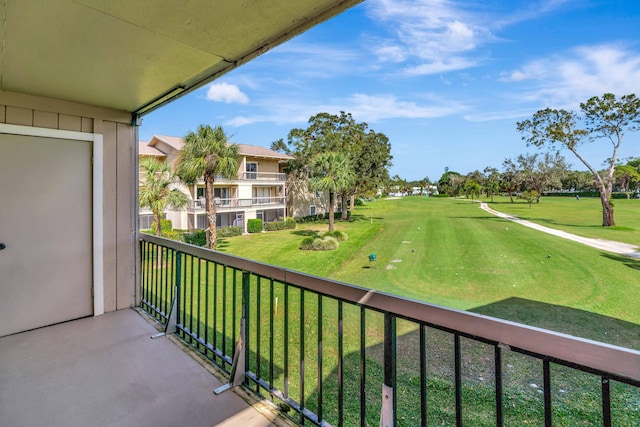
[156,189]
[604,117]
[207,154]
[368,152]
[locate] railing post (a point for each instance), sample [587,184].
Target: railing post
[172,320]
[388,409]
[238,368]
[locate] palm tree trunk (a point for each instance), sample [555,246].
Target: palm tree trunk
[331,209]
[211,231]
[156,220]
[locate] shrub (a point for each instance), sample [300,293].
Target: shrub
[165,225]
[358,202]
[326,243]
[340,236]
[309,218]
[307,243]
[229,231]
[254,225]
[197,237]
[289,223]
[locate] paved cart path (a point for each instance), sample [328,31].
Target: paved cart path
[625,249]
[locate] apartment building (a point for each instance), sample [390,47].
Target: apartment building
[258,190]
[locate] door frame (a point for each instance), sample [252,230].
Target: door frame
[97,213]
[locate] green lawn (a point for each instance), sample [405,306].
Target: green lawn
[583,217]
[452,253]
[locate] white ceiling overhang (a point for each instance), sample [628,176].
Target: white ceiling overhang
[135,56]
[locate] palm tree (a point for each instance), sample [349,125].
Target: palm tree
[155,190]
[207,154]
[331,172]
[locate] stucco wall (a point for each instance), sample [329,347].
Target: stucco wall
[119,145]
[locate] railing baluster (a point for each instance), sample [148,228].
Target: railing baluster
[497,363]
[223,335]
[286,341]
[198,285]
[546,371]
[423,376]
[206,306]
[606,402]
[215,306]
[389,404]
[340,365]
[271,334]
[457,378]
[319,389]
[234,314]
[302,334]
[363,371]
[258,329]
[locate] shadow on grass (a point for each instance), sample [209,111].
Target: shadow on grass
[358,217]
[305,233]
[628,262]
[572,321]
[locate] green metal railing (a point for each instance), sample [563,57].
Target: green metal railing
[329,353]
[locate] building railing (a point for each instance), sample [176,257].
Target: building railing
[251,176]
[223,203]
[264,176]
[330,353]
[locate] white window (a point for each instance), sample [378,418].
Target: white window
[312,210]
[252,170]
[318,194]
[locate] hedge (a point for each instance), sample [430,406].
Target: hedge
[165,225]
[614,195]
[229,231]
[196,237]
[320,217]
[287,224]
[254,225]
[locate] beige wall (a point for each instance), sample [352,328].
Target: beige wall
[119,144]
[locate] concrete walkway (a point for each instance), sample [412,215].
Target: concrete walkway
[107,371]
[605,245]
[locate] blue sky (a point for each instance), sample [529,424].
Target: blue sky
[446,81]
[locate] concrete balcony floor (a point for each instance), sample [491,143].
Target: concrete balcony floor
[107,371]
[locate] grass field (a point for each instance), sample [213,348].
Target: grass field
[452,253]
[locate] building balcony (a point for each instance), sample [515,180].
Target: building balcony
[310,350]
[199,205]
[273,177]
[330,353]
[107,371]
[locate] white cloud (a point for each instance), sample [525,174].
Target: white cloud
[567,78]
[432,32]
[227,93]
[366,108]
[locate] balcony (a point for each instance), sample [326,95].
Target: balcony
[199,205]
[107,371]
[329,353]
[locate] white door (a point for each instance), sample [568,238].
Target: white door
[46,229]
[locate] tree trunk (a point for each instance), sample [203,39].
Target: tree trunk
[331,209]
[156,219]
[211,231]
[352,201]
[607,209]
[343,206]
